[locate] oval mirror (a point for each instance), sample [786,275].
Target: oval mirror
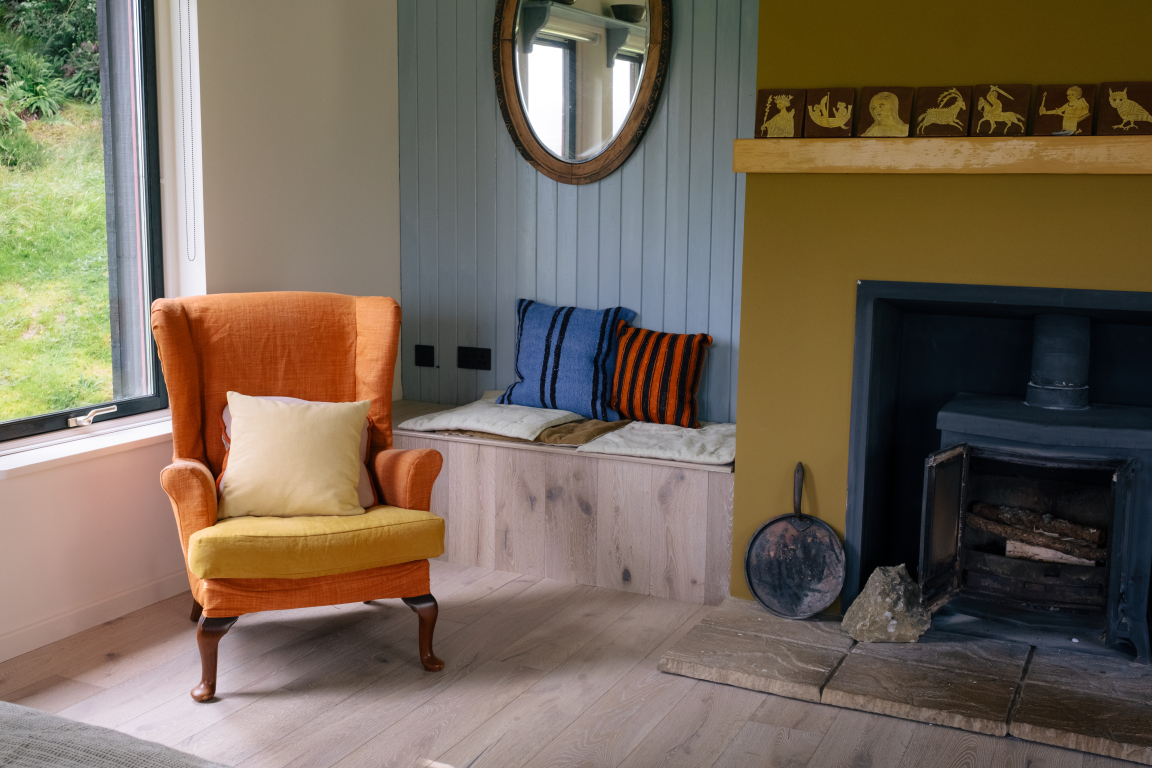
[578,80]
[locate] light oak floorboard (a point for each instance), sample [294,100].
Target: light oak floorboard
[472,498]
[698,729]
[624,512]
[524,727]
[1014,753]
[769,746]
[133,698]
[620,719]
[858,738]
[445,719]
[53,694]
[342,685]
[570,514]
[521,526]
[547,646]
[341,728]
[718,560]
[933,747]
[679,537]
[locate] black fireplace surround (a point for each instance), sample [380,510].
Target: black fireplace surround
[950,370]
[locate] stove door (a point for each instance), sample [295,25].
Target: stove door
[942,525]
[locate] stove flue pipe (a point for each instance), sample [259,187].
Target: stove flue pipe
[1060,347]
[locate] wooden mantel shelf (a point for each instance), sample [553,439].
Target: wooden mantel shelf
[1013,154]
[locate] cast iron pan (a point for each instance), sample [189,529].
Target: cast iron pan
[795,563]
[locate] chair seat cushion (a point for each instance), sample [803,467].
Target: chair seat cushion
[302,547]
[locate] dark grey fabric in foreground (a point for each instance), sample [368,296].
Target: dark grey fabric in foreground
[30,738]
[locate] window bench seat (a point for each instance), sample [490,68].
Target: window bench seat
[649,526]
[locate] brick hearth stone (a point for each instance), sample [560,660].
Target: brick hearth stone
[741,644]
[1087,702]
[944,679]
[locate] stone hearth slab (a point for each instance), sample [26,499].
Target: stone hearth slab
[740,644]
[1087,702]
[944,679]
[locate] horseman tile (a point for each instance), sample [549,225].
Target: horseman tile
[1000,110]
[1124,109]
[829,112]
[885,112]
[1064,110]
[780,113]
[942,110]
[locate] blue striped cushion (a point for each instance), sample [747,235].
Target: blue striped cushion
[566,358]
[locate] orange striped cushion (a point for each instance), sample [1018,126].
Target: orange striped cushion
[657,375]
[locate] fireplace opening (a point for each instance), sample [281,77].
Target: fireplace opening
[1033,409]
[1013,532]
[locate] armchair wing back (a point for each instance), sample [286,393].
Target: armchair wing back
[314,346]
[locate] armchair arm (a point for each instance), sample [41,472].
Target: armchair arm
[192,491]
[406,477]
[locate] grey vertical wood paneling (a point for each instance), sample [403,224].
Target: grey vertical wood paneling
[655,205]
[448,91]
[427,189]
[409,202]
[567,230]
[750,15]
[608,268]
[466,267]
[484,143]
[716,391]
[587,245]
[679,101]
[700,165]
[546,239]
[480,228]
[632,231]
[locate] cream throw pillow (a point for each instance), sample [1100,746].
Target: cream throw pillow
[292,459]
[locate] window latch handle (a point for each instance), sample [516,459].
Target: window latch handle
[84,421]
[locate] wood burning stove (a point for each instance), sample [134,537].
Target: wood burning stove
[1043,505]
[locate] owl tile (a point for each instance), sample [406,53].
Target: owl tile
[828,113]
[885,112]
[780,113]
[1000,110]
[1064,110]
[1124,109]
[942,110]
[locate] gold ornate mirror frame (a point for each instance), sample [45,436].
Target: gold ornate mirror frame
[630,134]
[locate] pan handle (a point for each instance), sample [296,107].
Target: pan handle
[798,490]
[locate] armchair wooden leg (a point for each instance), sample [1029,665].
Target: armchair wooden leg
[197,610]
[208,636]
[426,608]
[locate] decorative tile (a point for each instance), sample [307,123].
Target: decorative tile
[780,113]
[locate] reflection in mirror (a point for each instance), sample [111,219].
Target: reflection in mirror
[578,68]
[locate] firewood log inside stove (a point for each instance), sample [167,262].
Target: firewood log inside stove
[1079,549]
[1024,518]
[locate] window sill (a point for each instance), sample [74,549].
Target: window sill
[23,457]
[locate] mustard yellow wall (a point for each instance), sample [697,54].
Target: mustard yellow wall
[808,239]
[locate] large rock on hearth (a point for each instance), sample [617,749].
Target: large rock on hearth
[888,610]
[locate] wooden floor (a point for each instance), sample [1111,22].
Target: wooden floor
[540,673]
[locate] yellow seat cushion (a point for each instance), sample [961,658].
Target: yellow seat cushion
[301,547]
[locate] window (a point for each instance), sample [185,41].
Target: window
[625,77]
[80,258]
[551,94]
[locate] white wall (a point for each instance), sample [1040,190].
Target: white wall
[85,543]
[301,146]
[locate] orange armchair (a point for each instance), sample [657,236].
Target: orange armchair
[313,346]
